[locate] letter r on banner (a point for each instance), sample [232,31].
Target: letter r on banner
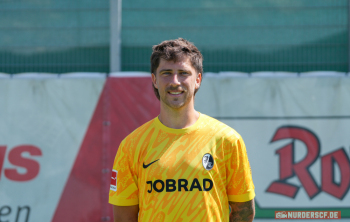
[288,166]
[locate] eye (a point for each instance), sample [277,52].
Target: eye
[184,73]
[166,73]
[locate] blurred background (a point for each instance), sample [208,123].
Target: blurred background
[233,35]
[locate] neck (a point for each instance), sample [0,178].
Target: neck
[178,118]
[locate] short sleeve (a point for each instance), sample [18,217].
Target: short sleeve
[240,187]
[123,188]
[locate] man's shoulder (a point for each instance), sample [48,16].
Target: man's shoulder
[140,131]
[221,129]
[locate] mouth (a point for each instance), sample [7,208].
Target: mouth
[176,93]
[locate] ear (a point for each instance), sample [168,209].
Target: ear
[198,80]
[154,81]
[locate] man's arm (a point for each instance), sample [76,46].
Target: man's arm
[125,213]
[242,211]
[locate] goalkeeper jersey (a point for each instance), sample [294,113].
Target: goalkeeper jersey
[185,174]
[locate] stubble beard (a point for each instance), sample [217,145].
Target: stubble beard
[176,103]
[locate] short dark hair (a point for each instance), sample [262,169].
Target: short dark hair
[175,50]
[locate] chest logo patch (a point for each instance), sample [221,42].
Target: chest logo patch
[208,161]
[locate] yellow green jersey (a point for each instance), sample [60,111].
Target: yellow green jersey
[187,174]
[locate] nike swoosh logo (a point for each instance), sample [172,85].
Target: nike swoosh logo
[145,166]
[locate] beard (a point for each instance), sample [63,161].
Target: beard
[179,102]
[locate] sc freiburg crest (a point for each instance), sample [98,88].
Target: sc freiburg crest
[208,161]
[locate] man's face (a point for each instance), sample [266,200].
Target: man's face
[176,82]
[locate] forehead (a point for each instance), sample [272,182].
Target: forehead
[182,64]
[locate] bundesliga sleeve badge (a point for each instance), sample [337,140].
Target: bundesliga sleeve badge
[114,180]
[208,161]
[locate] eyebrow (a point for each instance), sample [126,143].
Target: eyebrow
[170,70]
[165,70]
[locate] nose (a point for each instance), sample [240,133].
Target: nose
[175,79]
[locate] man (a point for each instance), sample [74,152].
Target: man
[182,165]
